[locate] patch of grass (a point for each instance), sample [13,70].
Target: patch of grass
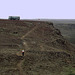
[68,71]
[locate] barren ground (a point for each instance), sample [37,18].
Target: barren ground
[46,50]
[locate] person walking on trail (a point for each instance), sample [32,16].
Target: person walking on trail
[22,52]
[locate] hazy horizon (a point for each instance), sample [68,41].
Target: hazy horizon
[35,9]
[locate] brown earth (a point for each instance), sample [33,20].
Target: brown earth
[46,51]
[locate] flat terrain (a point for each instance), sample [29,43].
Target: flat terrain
[46,50]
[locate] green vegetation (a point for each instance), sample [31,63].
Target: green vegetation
[69,70]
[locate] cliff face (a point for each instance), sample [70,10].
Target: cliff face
[45,48]
[67,30]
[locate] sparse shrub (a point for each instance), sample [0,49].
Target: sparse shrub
[72,74]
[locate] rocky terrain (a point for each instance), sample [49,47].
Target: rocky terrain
[46,50]
[66,26]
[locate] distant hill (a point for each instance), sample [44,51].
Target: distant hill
[57,21]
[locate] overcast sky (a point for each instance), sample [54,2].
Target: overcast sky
[34,9]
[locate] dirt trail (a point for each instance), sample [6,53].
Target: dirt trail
[26,45]
[20,68]
[19,65]
[42,48]
[24,42]
[29,32]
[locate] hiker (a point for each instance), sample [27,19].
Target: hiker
[22,52]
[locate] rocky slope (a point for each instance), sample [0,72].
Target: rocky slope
[67,30]
[46,51]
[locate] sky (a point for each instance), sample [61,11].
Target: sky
[38,9]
